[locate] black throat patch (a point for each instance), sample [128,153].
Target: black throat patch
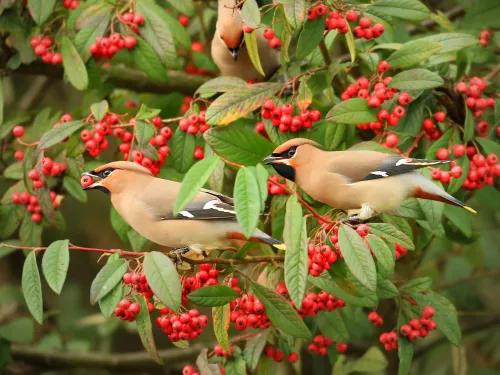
[285,170]
[104,190]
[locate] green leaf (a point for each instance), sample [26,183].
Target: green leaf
[372,146]
[295,11]
[143,132]
[253,49]
[334,136]
[433,211]
[412,53]
[41,10]
[183,145]
[73,65]
[239,102]
[390,234]
[349,38]
[119,225]
[384,256]
[262,176]
[412,10]
[96,27]
[19,331]
[310,37]
[55,263]
[452,42]
[108,303]
[8,220]
[469,125]
[204,367]
[460,218]
[32,287]
[156,33]
[29,232]
[14,171]
[333,326]
[6,127]
[456,183]
[219,84]
[352,111]
[254,348]
[441,142]
[100,109]
[489,146]
[107,278]
[296,260]
[372,361]
[405,349]
[386,289]
[281,314]
[238,145]
[446,315]
[247,201]
[417,285]
[481,15]
[251,14]
[357,257]
[184,6]
[56,135]
[214,295]
[235,366]
[411,123]
[145,330]
[163,279]
[415,79]
[74,188]
[371,60]
[146,113]
[193,181]
[220,317]
[148,61]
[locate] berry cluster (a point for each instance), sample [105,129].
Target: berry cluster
[186,104]
[473,91]
[274,189]
[248,311]
[133,20]
[419,327]
[274,41]
[320,345]
[390,341]
[320,258]
[71,4]
[185,326]
[206,276]
[363,30]
[49,168]
[375,319]
[189,370]
[32,204]
[482,170]
[484,37]
[41,46]
[281,117]
[218,351]
[278,356]
[107,47]
[432,132]
[95,138]
[194,124]
[139,283]
[127,310]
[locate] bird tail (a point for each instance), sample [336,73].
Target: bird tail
[426,189]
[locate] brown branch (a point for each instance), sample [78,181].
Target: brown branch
[492,74]
[325,52]
[415,143]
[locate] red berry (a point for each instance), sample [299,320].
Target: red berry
[247,29]
[429,312]
[404,98]
[363,230]
[442,154]
[383,66]
[275,43]
[365,22]
[33,174]
[312,14]
[462,87]
[269,33]
[199,153]
[459,150]
[18,131]
[56,58]
[405,329]
[36,217]
[279,356]
[19,155]
[130,42]
[440,116]
[391,140]
[183,20]
[351,15]
[341,348]
[456,171]
[86,181]
[293,357]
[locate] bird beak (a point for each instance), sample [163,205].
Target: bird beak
[95,184]
[234,52]
[271,159]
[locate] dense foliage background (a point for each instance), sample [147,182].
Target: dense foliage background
[70,102]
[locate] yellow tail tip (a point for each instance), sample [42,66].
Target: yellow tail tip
[470,209]
[281,246]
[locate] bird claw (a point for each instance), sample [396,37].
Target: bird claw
[178,254]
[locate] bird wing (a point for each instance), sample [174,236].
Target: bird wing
[159,198]
[358,166]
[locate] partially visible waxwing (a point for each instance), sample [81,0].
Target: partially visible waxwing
[364,182]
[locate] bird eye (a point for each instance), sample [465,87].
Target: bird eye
[107,172]
[291,151]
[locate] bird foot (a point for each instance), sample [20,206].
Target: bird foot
[178,254]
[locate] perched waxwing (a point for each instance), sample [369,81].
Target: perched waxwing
[366,182]
[229,51]
[146,203]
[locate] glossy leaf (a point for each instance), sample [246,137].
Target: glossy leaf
[332,325]
[32,287]
[41,10]
[107,278]
[146,113]
[489,146]
[163,279]
[247,200]
[411,123]
[73,65]
[96,27]
[8,220]
[415,79]
[357,257]
[412,10]
[296,259]
[145,330]
[235,366]
[385,257]
[352,111]
[451,42]
[295,12]
[253,49]
[143,132]
[468,125]
[55,263]
[254,348]
[220,316]
[74,188]
[251,14]
[108,303]
[183,145]
[386,289]
[334,136]
[29,232]
[219,84]
[239,102]
[204,367]
[100,109]
[214,295]
[262,176]
[56,135]
[310,36]
[148,61]
[456,183]
[413,53]
[281,314]
[372,361]
[325,282]
[417,285]
[390,234]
